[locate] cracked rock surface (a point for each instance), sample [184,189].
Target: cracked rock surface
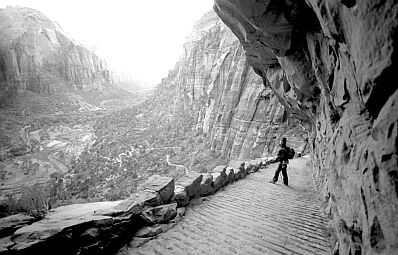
[331,64]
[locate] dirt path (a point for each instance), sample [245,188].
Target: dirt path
[176,165]
[251,216]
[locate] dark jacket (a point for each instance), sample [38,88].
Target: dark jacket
[283,155]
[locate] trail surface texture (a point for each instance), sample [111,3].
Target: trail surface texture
[251,216]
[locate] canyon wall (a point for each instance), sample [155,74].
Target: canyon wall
[37,56]
[331,64]
[214,82]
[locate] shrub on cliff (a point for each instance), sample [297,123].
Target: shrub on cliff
[34,202]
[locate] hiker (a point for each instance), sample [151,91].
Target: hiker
[284,154]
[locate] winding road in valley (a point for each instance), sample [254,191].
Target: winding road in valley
[176,165]
[18,178]
[167,156]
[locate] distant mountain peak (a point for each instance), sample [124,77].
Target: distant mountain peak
[36,55]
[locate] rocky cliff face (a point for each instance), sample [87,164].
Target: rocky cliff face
[214,81]
[35,55]
[331,64]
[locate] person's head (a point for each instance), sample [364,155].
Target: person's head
[282,143]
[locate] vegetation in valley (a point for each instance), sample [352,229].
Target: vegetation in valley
[130,145]
[28,113]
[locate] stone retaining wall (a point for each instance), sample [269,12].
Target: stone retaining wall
[103,227]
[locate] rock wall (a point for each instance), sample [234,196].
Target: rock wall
[216,83]
[331,64]
[36,55]
[105,227]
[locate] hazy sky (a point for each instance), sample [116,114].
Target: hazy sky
[140,37]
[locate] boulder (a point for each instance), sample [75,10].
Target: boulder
[239,168]
[5,243]
[191,182]
[90,236]
[206,187]
[146,197]
[238,173]
[71,219]
[230,174]
[9,224]
[221,171]
[132,205]
[159,214]
[249,167]
[164,186]
[180,196]
[218,180]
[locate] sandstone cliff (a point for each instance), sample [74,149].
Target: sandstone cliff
[214,81]
[331,63]
[35,55]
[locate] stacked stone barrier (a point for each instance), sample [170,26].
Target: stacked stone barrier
[103,227]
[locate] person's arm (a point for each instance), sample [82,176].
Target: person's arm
[277,158]
[273,160]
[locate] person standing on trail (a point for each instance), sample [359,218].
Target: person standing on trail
[283,157]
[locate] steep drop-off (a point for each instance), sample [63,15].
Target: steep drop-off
[215,82]
[36,56]
[52,90]
[331,63]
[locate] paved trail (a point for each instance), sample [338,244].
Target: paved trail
[251,216]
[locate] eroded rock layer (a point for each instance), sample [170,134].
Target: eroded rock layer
[215,82]
[331,64]
[36,55]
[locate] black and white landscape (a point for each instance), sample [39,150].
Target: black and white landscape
[98,161]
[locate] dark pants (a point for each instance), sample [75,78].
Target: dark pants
[281,168]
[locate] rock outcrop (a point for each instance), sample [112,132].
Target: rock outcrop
[331,64]
[215,83]
[103,227]
[37,56]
